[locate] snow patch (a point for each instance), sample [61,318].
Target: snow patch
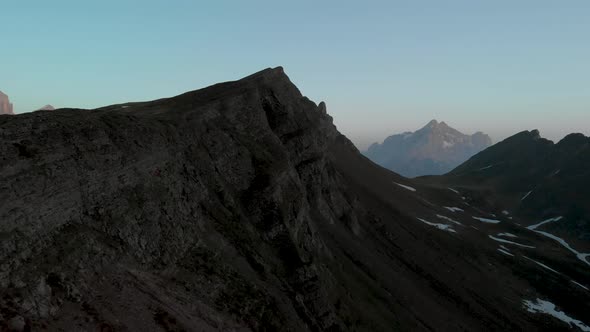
[535,226]
[454,190]
[405,187]
[505,212]
[484,168]
[509,242]
[448,219]
[505,252]
[579,284]
[486,220]
[541,264]
[525,196]
[443,227]
[507,234]
[453,209]
[581,256]
[447,145]
[546,307]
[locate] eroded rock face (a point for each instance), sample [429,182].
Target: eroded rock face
[5,105]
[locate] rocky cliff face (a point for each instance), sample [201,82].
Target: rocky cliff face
[220,184]
[240,207]
[433,150]
[5,105]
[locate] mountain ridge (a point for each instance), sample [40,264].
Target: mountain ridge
[535,178]
[241,207]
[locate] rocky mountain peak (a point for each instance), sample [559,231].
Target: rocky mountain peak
[433,123]
[46,108]
[434,149]
[5,106]
[574,139]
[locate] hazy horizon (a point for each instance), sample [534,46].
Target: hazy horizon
[382,67]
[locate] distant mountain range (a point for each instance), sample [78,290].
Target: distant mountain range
[47,108]
[6,107]
[433,150]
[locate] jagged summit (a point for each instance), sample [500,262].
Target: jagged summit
[435,124]
[432,123]
[268,73]
[434,149]
[270,80]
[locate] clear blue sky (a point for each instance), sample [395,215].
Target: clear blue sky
[382,67]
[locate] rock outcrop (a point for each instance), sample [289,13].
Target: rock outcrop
[5,106]
[433,150]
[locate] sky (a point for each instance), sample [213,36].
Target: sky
[382,67]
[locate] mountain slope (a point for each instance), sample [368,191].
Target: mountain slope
[435,149]
[536,179]
[241,207]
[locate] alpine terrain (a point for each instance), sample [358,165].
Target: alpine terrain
[533,178]
[240,207]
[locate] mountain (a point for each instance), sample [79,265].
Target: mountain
[47,108]
[5,105]
[535,179]
[240,207]
[433,150]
